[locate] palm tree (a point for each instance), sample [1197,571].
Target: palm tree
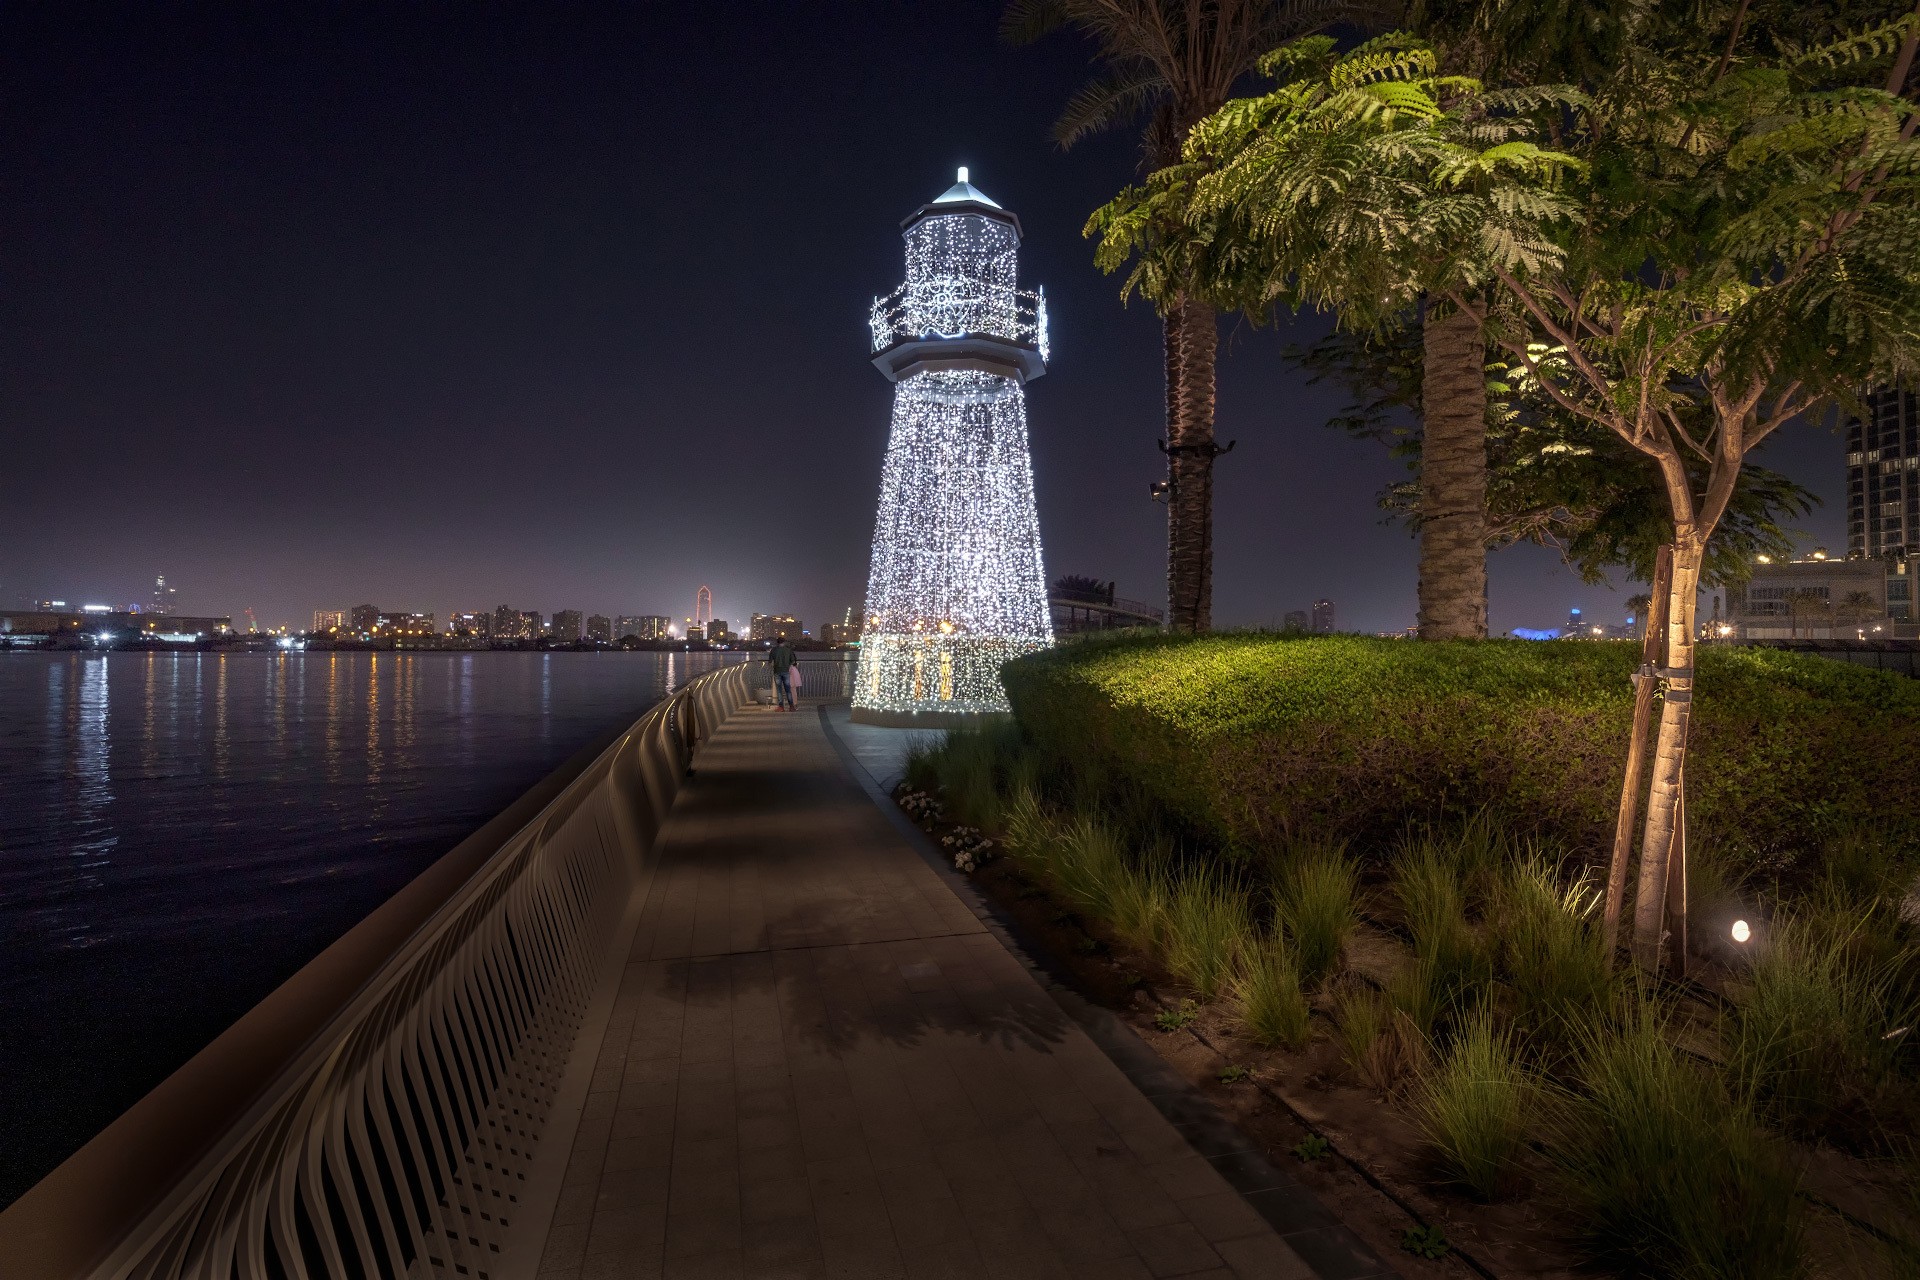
[1173,62]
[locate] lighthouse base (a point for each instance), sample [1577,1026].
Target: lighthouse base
[930,719]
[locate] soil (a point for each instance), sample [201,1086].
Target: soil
[1376,1176]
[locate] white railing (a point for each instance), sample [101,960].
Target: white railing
[954,307]
[382,1114]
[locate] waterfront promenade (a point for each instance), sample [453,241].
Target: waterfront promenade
[823,1060]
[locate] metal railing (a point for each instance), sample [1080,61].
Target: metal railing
[959,308]
[381,1113]
[824,677]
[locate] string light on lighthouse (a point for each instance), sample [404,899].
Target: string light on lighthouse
[956,586]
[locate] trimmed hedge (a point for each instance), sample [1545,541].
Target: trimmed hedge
[1255,739]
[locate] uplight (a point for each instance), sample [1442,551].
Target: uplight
[1740,931]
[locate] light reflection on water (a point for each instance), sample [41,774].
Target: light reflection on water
[180,832]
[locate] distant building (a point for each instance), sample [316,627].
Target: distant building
[1323,617]
[364,619]
[407,626]
[118,624]
[164,596]
[771,626]
[1296,620]
[1823,599]
[471,626]
[839,633]
[566,626]
[696,632]
[717,632]
[600,629]
[329,620]
[1573,619]
[532,625]
[1883,476]
[646,626]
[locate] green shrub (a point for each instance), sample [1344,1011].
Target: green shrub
[1552,952]
[1316,905]
[1258,739]
[1271,1004]
[1475,1107]
[1810,1036]
[1422,992]
[1208,925]
[920,774]
[1670,1173]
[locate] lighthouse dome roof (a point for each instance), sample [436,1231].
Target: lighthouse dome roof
[963,197]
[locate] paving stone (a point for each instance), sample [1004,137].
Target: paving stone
[821,1065]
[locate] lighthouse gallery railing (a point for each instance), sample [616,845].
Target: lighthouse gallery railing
[381,1114]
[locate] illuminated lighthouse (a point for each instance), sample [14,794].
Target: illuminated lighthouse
[956,586]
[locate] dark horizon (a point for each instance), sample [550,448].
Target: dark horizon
[564,307]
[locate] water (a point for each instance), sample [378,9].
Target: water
[180,832]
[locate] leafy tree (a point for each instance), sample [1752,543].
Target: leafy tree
[1552,479]
[1172,62]
[1717,241]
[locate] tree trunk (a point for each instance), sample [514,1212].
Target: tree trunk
[1653,646]
[1658,843]
[1453,478]
[1190,466]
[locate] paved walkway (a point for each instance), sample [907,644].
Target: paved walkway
[821,1064]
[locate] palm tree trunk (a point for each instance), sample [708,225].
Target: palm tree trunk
[1190,372]
[1453,478]
[1659,843]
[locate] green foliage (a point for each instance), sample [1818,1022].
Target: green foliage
[1430,886]
[1817,1035]
[1267,994]
[1260,740]
[1475,1106]
[1180,1016]
[920,772]
[1208,923]
[1310,1148]
[1428,1242]
[973,767]
[1552,953]
[1234,1073]
[1316,906]
[1670,1173]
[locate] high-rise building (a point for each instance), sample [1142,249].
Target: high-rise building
[1883,476]
[506,623]
[600,629]
[954,587]
[164,596]
[771,626]
[1323,617]
[566,626]
[532,625]
[410,626]
[717,631]
[364,619]
[471,626]
[329,620]
[645,626]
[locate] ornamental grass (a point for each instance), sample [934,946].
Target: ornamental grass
[1476,1105]
[1669,1170]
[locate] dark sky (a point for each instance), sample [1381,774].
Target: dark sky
[562,305]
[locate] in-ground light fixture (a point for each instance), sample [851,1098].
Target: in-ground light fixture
[1741,931]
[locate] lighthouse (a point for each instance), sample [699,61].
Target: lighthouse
[955,588]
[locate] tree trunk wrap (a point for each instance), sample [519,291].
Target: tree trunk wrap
[1669,754]
[1453,478]
[1190,472]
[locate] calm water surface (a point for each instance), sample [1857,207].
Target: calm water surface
[180,832]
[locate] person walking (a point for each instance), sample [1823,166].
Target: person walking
[780,658]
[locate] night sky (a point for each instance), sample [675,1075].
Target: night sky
[443,306]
